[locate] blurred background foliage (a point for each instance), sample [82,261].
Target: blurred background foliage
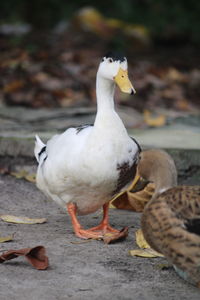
[166,20]
[50,50]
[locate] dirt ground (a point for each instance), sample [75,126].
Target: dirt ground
[88,270]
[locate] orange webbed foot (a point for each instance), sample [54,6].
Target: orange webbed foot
[101,232]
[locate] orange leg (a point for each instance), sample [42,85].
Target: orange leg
[94,233]
[79,231]
[104,226]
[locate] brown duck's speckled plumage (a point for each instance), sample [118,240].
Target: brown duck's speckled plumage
[166,223]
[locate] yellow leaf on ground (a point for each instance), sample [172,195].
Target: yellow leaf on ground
[20,174]
[147,253]
[22,220]
[31,177]
[146,250]
[8,238]
[140,240]
[25,175]
[154,121]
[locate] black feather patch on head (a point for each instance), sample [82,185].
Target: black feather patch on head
[116,56]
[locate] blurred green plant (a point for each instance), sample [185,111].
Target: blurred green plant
[165,19]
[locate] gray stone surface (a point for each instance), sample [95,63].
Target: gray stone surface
[18,127]
[82,271]
[176,136]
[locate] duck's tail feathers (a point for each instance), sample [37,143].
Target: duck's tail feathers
[39,149]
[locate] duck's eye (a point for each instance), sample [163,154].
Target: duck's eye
[110,60]
[103,59]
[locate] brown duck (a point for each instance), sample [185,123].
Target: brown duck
[171,220]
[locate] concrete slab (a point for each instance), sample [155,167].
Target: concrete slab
[18,127]
[176,136]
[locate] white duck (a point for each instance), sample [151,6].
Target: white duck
[83,168]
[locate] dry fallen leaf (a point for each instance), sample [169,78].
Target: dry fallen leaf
[164,267]
[31,178]
[82,242]
[8,238]
[154,121]
[4,170]
[22,220]
[36,256]
[145,250]
[25,175]
[140,240]
[115,237]
[13,86]
[133,200]
[147,253]
[183,104]
[175,75]
[111,205]
[121,201]
[89,19]
[20,174]
[139,199]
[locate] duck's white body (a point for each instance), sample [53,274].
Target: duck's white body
[88,166]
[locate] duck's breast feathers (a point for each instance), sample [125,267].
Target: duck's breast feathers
[82,156]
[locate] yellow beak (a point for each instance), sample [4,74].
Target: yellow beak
[123,82]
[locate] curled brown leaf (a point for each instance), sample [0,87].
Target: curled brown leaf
[36,256]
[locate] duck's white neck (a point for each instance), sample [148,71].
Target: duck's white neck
[106,117]
[105,89]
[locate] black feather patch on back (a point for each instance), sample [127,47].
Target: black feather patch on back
[115,56]
[81,127]
[193,225]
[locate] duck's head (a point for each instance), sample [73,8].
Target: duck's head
[114,67]
[158,166]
